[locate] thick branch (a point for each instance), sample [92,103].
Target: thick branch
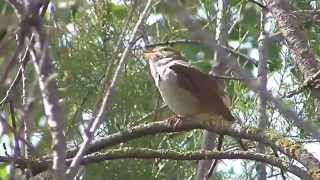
[44,68]
[268,138]
[291,28]
[143,153]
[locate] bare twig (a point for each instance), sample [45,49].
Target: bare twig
[105,105]
[17,78]
[308,83]
[27,115]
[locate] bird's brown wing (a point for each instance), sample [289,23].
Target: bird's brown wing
[205,87]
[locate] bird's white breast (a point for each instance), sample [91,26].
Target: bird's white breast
[179,100]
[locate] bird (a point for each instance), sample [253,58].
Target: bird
[187,91]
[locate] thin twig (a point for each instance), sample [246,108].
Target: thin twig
[17,78]
[106,102]
[308,83]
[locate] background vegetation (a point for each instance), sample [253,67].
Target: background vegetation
[86,41]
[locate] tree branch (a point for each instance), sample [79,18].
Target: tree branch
[43,65]
[291,28]
[308,83]
[105,105]
[269,138]
[262,101]
[144,153]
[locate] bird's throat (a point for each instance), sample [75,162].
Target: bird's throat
[179,100]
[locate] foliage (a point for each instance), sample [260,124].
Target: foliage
[87,40]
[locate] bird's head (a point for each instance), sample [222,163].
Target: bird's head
[159,53]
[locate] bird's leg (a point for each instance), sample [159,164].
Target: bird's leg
[177,120]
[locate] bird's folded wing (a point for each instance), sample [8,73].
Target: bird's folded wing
[204,87]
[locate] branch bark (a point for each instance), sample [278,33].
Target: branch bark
[268,138]
[45,70]
[144,153]
[292,29]
[262,102]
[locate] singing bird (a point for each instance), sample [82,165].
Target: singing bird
[187,91]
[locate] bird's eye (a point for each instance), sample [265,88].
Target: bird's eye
[166,49]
